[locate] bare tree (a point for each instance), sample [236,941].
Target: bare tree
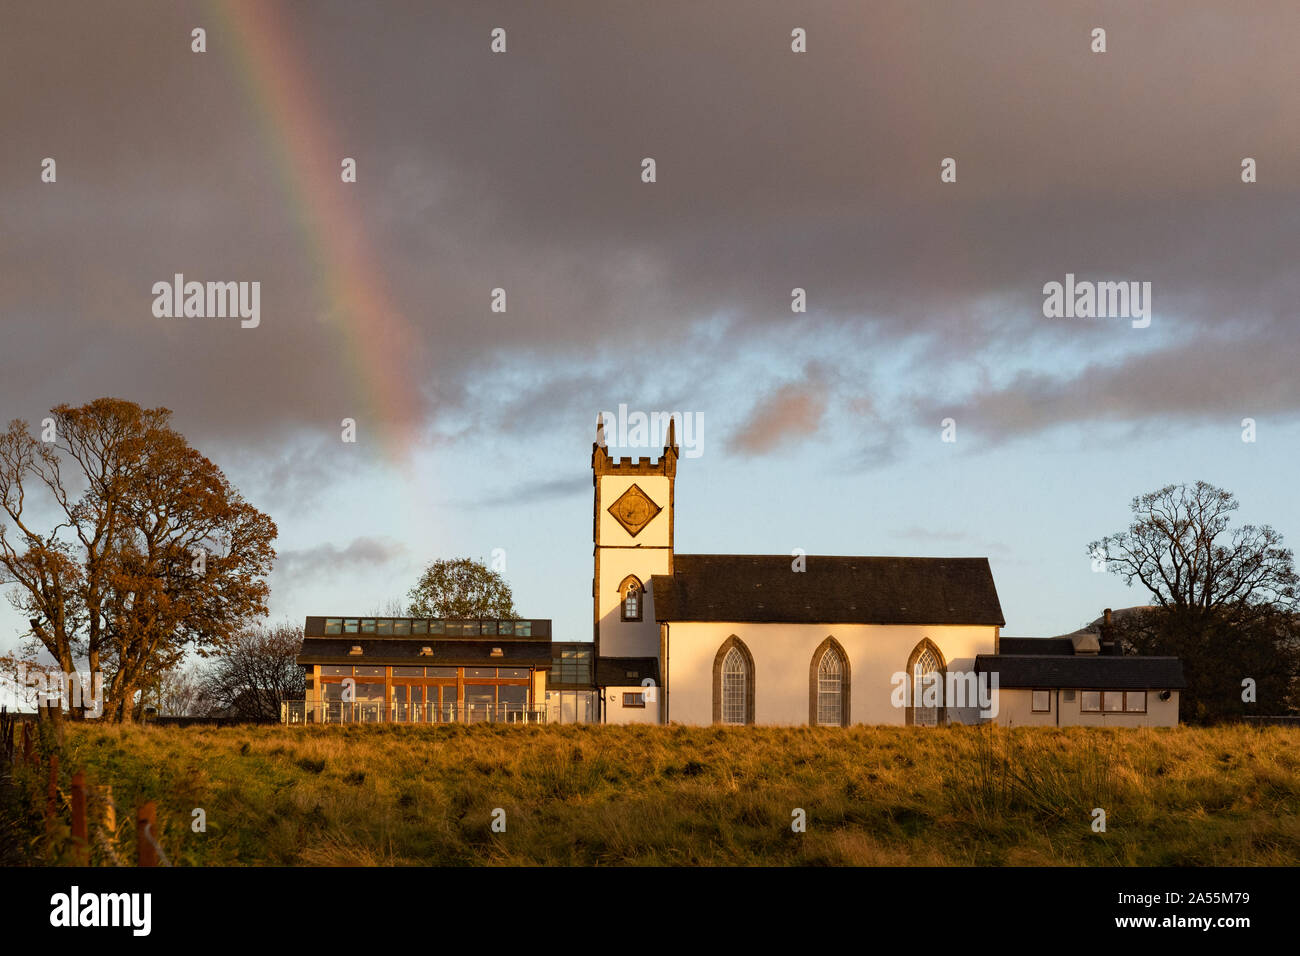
[1180,549]
[1225,598]
[25,678]
[249,679]
[177,692]
[393,607]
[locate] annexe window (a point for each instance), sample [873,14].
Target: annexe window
[634,700]
[571,666]
[1114,702]
[1042,702]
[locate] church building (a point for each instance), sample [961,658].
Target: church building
[822,640]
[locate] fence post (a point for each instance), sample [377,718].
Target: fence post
[52,795]
[29,755]
[79,818]
[144,827]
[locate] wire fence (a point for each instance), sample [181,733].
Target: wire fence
[401,712]
[77,818]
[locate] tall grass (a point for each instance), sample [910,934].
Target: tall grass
[393,795]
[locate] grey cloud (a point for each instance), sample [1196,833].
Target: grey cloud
[531,492]
[1221,378]
[775,170]
[329,559]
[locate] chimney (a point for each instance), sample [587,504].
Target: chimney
[1106,635]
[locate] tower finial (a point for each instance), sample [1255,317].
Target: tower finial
[672,433]
[600,430]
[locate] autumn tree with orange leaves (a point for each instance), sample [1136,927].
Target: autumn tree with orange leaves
[126,547]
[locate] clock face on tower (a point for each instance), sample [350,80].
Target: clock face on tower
[634,510]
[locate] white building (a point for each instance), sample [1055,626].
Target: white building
[778,639]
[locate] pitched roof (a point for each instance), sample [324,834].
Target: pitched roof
[1036,645]
[626,671]
[1102,671]
[830,590]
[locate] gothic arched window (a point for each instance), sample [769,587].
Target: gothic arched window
[828,685]
[927,671]
[632,597]
[733,683]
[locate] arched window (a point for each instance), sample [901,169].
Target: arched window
[733,683]
[734,678]
[828,685]
[632,597]
[926,668]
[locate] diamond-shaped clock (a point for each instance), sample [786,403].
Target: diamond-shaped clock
[634,510]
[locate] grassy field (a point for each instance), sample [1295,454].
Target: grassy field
[383,795]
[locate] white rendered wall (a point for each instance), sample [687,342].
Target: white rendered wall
[782,656]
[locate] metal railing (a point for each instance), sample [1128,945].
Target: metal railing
[400,712]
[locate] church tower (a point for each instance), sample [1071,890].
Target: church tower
[632,530]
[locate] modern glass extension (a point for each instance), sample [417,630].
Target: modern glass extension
[380,693]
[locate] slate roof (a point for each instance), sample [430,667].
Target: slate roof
[334,650]
[625,671]
[831,590]
[1095,671]
[1036,645]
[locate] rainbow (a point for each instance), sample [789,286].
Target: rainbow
[375,336]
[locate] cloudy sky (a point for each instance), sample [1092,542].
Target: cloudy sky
[775,170]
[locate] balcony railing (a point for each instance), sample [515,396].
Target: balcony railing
[400,712]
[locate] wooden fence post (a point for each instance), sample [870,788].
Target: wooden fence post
[144,830]
[52,795]
[79,818]
[29,755]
